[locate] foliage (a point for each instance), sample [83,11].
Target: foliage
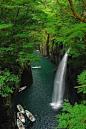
[82,80]
[73,117]
[18,40]
[74,38]
[7,81]
[20,25]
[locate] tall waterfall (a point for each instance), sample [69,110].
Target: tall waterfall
[59,83]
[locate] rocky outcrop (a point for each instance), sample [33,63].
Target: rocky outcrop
[26,77]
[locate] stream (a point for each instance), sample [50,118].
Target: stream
[38,96]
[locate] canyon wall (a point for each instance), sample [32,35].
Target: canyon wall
[51,50]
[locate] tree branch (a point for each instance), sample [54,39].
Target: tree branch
[79,86]
[65,10]
[75,13]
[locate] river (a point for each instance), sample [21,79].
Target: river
[38,96]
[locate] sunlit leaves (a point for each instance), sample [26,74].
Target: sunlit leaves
[4,26]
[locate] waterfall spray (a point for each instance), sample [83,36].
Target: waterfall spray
[59,83]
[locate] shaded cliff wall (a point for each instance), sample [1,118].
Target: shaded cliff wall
[50,49]
[73,70]
[7,114]
[26,77]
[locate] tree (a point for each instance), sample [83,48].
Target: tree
[19,30]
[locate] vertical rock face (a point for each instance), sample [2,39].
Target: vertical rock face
[73,69]
[26,77]
[7,114]
[71,81]
[47,45]
[51,50]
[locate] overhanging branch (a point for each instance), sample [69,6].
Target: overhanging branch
[65,10]
[75,13]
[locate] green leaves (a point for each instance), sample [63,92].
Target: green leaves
[75,38]
[20,26]
[21,1]
[23,35]
[72,117]
[7,81]
[81,79]
[4,26]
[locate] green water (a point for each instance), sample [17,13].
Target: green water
[38,97]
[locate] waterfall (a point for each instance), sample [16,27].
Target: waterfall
[59,83]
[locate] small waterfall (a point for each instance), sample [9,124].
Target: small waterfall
[59,83]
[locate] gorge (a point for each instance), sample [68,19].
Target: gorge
[51,27]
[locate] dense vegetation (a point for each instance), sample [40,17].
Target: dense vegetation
[19,30]
[24,24]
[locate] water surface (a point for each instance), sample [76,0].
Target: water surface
[38,96]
